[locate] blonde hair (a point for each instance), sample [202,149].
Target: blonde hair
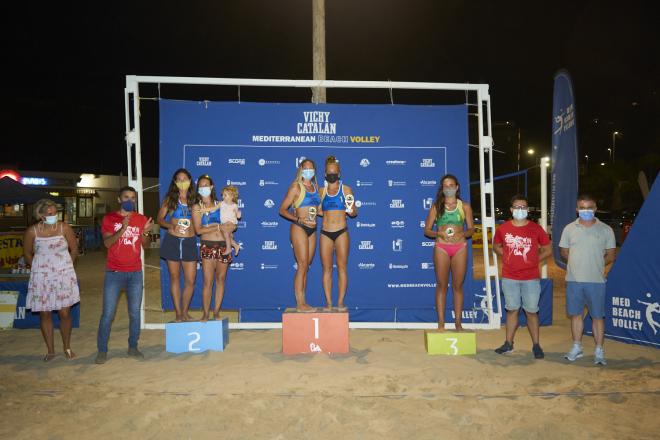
[299,178]
[332,160]
[40,207]
[231,189]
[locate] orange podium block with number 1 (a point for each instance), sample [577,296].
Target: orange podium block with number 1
[318,332]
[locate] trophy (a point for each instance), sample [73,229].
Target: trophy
[184,224]
[311,213]
[349,200]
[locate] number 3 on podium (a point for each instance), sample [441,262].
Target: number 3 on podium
[454,348]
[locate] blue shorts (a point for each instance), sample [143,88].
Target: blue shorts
[525,293]
[179,248]
[592,295]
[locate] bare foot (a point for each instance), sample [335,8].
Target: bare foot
[441,327]
[69,354]
[178,318]
[49,357]
[459,328]
[327,308]
[341,308]
[216,316]
[204,318]
[188,317]
[305,308]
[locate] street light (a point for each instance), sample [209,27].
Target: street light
[614,134]
[610,151]
[586,156]
[530,151]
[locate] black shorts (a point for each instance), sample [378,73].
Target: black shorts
[179,248]
[334,234]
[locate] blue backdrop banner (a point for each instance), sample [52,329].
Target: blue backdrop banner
[391,155]
[564,181]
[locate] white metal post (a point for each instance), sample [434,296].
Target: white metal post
[545,163]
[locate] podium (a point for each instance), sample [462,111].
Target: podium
[450,343]
[317,332]
[196,337]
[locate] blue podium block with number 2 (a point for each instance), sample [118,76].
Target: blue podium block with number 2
[196,337]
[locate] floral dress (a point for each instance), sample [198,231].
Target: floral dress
[53,282]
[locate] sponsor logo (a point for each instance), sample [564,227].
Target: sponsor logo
[395,162]
[422,223]
[427,163]
[397,204]
[428,182]
[360,203]
[397,245]
[366,245]
[269,203]
[398,224]
[398,266]
[392,183]
[237,266]
[365,162]
[265,266]
[363,183]
[299,160]
[263,182]
[316,122]
[236,183]
[266,224]
[410,285]
[427,203]
[263,162]
[240,204]
[236,161]
[242,224]
[204,161]
[269,245]
[365,225]
[428,243]
[426,266]
[366,266]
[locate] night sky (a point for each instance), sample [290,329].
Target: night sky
[65,65]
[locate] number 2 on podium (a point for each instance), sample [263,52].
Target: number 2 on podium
[196,339]
[316,327]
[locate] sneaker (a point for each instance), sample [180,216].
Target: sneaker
[101,357]
[599,356]
[134,352]
[538,351]
[576,352]
[507,347]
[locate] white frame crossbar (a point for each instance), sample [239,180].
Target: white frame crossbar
[486,181]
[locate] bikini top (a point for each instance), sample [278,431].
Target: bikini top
[453,217]
[333,203]
[307,198]
[181,211]
[212,217]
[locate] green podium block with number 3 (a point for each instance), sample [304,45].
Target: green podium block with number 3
[452,344]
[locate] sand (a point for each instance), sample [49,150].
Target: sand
[386,387]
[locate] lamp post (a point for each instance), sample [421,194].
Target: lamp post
[543,221]
[614,134]
[586,156]
[610,152]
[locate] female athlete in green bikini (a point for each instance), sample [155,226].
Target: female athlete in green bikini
[450,215]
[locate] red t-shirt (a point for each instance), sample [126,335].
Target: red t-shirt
[124,255]
[520,255]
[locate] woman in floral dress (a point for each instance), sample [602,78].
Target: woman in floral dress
[50,248]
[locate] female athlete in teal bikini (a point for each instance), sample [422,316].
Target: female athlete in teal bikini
[334,233]
[300,207]
[450,215]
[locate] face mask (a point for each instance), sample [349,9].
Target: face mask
[183,185]
[519,214]
[331,178]
[449,192]
[204,191]
[307,174]
[50,219]
[586,214]
[128,205]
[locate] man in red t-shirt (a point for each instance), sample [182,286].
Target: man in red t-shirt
[125,232]
[522,244]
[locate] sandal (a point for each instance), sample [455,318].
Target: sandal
[69,354]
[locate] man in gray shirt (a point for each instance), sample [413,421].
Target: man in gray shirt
[588,245]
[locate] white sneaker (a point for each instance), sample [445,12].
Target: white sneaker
[576,352]
[599,356]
